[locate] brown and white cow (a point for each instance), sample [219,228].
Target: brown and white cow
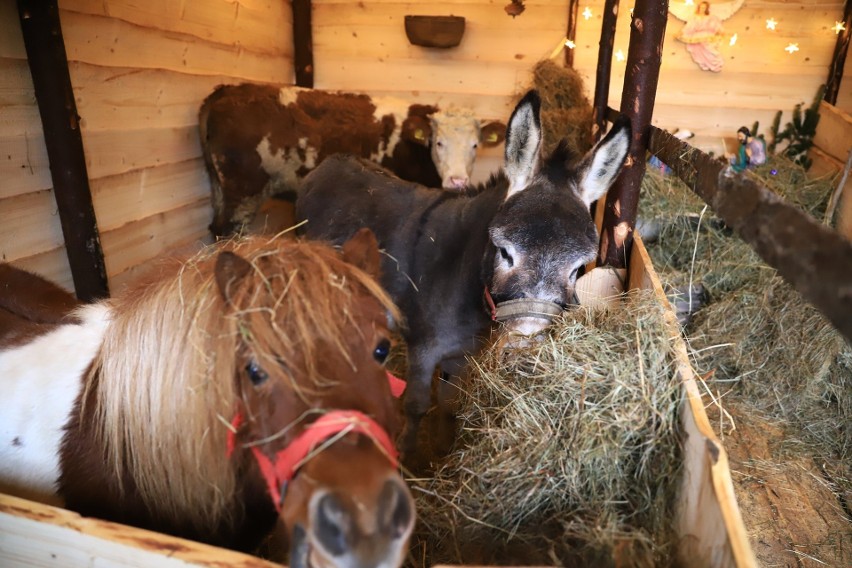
[261,140]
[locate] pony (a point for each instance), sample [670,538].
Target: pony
[230,389]
[456,264]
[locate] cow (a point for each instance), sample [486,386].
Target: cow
[261,140]
[456,263]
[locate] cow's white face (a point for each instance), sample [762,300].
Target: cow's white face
[455,138]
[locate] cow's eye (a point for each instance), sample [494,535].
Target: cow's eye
[475,146]
[439,144]
[382,350]
[506,256]
[256,374]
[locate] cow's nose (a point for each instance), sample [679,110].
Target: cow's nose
[458,182]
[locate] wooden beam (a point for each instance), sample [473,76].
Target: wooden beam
[571,34]
[644,56]
[814,259]
[838,60]
[49,68]
[604,70]
[303,46]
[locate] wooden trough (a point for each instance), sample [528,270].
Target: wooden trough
[708,523]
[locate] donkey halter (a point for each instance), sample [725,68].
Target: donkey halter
[315,438]
[521,308]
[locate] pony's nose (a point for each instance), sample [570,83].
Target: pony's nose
[396,509]
[458,182]
[343,536]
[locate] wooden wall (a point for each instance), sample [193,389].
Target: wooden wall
[140,71]
[362,46]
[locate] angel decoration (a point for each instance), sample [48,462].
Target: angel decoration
[702,32]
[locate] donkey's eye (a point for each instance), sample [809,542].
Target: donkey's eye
[382,350]
[256,375]
[506,256]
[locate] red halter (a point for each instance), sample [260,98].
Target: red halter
[316,436]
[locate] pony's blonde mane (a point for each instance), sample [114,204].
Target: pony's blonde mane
[165,380]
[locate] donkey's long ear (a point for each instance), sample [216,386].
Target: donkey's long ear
[523,143]
[362,250]
[230,269]
[602,164]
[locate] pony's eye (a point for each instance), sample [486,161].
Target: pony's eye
[380,353]
[506,256]
[256,375]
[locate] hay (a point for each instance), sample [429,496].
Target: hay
[569,449]
[565,109]
[760,341]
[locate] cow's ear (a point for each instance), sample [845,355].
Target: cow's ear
[492,134]
[417,129]
[362,250]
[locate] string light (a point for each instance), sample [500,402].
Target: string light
[570,44]
[587,13]
[619,55]
[771,23]
[792,48]
[838,27]
[733,39]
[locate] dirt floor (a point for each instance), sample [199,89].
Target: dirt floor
[790,509]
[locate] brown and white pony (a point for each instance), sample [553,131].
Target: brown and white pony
[242,384]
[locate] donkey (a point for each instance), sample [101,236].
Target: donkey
[457,263]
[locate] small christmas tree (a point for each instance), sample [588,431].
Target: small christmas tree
[800,131]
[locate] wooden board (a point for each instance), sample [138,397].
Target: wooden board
[36,535]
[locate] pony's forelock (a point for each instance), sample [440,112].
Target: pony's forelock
[165,378]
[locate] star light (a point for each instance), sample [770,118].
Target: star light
[792,48]
[587,13]
[619,55]
[838,27]
[689,3]
[570,44]
[733,39]
[771,23]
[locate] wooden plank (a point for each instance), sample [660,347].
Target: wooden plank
[130,98]
[111,152]
[16,88]
[140,241]
[708,517]
[477,14]
[11,39]
[20,119]
[29,224]
[381,41]
[125,198]
[23,164]
[834,132]
[259,27]
[453,76]
[109,42]
[51,264]
[42,536]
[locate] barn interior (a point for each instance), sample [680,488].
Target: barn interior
[138,73]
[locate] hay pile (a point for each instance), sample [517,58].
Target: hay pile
[565,110]
[762,343]
[568,450]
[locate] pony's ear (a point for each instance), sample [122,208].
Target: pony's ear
[417,129]
[230,269]
[603,163]
[523,143]
[362,250]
